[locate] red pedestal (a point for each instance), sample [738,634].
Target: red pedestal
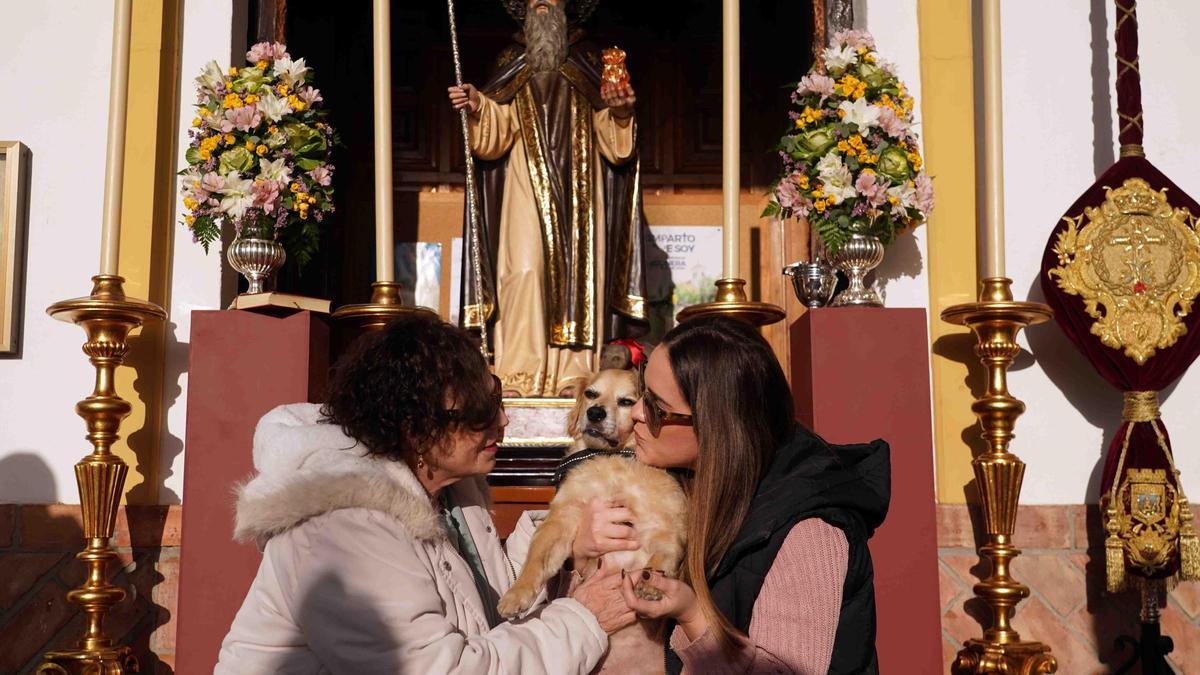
[241,365]
[863,373]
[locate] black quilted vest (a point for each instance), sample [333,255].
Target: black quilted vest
[847,486]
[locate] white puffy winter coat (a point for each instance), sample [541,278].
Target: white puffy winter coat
[358,575]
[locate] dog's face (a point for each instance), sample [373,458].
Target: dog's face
[603,415]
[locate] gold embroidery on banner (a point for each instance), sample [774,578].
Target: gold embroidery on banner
[632,306]
[1147,518]
[1135,263]
[539,176]
[471,314]
[583,221]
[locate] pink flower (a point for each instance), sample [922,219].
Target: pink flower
[802,208]
[266,194]
[874,192]
[891,124]
[855,39]
[205,186]
[787,193]
[816,83]
[924,196]
[267,51]
[320,175]
[242,119]
[310,95]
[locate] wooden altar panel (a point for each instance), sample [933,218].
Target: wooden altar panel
[860,374]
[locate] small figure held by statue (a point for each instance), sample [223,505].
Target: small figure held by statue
[561,258]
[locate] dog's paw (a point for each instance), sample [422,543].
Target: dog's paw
[645,591]
[515,602]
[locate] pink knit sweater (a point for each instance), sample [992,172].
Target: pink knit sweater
[795,617]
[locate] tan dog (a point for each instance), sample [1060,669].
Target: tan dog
[603,420]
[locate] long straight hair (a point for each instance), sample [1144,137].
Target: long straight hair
[742,410]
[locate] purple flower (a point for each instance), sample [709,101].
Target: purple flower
[860,209]
[320,175]
[874,192]
[267,51]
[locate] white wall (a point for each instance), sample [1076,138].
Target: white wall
[54,71]
[1059,132]
[196,277]
[903,277]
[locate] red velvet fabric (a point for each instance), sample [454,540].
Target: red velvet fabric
[1122,372]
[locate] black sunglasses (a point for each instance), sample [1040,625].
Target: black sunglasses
[656,417]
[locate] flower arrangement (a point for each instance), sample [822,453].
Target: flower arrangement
[260,153]
[851,160]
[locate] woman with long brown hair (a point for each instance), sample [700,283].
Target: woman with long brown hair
[777,577]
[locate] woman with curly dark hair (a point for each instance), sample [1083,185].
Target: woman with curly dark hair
[379,553]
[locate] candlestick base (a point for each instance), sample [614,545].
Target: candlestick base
[731,302]
[385,305]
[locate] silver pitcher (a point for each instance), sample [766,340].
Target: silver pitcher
[858,256]
[256,259]
[813,282]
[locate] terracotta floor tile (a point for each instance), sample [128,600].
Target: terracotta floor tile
[949,587]
[1036,621]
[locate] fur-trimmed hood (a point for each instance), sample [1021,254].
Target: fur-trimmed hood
[306,468]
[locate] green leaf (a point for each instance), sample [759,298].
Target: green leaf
[192,156]
[308,164]
[772,210]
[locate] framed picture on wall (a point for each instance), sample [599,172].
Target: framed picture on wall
[14,222]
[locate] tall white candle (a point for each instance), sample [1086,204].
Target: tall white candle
[384,247]
[731,177]
[114,158]
[989,243]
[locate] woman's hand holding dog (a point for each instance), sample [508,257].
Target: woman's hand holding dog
[601,594]
[677,600]
[604,528]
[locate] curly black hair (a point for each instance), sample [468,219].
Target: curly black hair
[389,391]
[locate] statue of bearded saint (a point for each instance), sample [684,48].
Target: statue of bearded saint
[561,265]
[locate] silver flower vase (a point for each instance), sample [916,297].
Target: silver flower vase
[858,256]
[256,259]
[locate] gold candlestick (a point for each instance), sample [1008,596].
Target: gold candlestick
[107,317]
[996,320]
[731,302]
[384,306]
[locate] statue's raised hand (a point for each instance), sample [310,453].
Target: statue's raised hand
[466,96]
[619,97]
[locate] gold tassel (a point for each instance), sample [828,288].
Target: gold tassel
[1114,552]
[1189,544]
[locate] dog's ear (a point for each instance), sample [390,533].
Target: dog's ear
[580,403]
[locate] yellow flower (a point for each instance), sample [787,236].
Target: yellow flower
[800,122]
[296,103]
[283,89]
[261,63]
[251,98]
[818,191]
[312,199]
[841,113]
[856,142]
[233,71]
[869,58]
[819,205]
[189,220]
[250,145]
[893,200]
[861,51]
[295,187]
[260,150]
[232,101]
[229,139]
[272,129]
[204,112]
[196,122]
[803,181]
[869,171]
[915,160]
[190,203]
[833,199]
[843,146]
